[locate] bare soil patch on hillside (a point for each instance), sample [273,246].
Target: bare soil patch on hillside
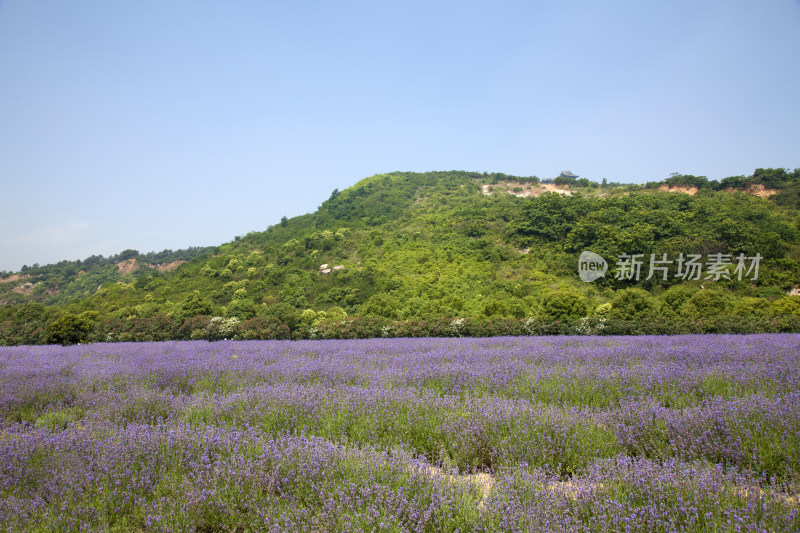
[523,190]
[127,266]
[24,289]
[14,277]
[169,267]
[691,191]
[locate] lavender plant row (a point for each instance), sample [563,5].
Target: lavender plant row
[684,433]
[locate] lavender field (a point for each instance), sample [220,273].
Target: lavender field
[682,433]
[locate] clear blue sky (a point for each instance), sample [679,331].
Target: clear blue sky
[153,124]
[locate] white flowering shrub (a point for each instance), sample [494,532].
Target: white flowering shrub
[221,328]
[457,327]
[529,326]
[590,326]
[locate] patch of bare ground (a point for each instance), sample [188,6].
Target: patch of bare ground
[14,277]
[756,189]
[785,498]
[127,266]
[523,190]
[573,489]
[24,289]
[691,191]
[169,267]
[483,481]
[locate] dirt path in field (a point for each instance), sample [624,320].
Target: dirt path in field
[485,482]
[786,498]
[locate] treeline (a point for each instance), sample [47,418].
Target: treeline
[428,248]
[631,312]
[149,258]
[785,183]
[67,281]
[72,329]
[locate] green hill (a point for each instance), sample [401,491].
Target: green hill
[420,250]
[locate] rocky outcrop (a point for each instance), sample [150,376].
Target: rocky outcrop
[325,269]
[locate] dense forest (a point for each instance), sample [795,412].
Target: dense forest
[449,253]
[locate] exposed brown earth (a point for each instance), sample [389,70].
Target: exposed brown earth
[132,265]
[485,482]
[753,189]
[128,266]
[759,190]
[14,277]
[691,191]
[169,267]
[526,189]
[25,288]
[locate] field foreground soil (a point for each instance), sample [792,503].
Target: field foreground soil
[679,433]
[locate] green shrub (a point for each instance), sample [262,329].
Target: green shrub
[262,328]
[750,307]
[241,309]
[632,304]
[69,329]
[674,297]
[788,305]
[563,304]
[706,303]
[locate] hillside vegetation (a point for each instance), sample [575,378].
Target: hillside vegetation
[443,253]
